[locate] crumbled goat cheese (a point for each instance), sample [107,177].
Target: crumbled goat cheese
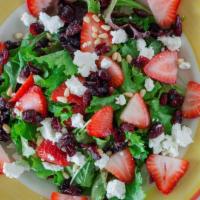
[149,84]
[120,100]
[155,143]
[52,167]
[101,163]
[48,132]
[78,159]
[86,62]
[119,36]
[27,150]
[51,24]
[182,64]
[116,188]
[28,19]
[105,63]
[15,169]
[172,43]
[75,86]
[147,52]
[77,121]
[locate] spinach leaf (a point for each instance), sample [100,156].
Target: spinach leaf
[154,93]
[94,6]
[5,84]
[102,143]
[58,178]
[82,136]
[129,48]
[157,46]
[138,79]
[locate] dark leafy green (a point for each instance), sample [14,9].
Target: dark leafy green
[82,136]
[129,48]
[93,6]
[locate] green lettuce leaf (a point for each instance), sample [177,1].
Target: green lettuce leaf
[82,136]
[94,6]
[129,48]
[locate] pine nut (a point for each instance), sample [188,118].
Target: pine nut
[115,56]
[129,59]
[142,92]
[128,94]
[18,36]
[6,128]
[9,91]
[119,58]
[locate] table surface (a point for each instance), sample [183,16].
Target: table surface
[13,190]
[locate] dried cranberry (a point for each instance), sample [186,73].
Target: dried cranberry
[67,188]
[36,28]
[140,61]
[3,103]
[56,125]
[175,99]
[87,97]
[126,127]
[102,49]
[177,117]
[155,130]
[12,45]
[119,146]
[177,28]
[66,13]
[155,30]
[31,116]
[103,74]
[164,99]
[118,135]
[104,3]
[80,8]
[140,13]
[73,28]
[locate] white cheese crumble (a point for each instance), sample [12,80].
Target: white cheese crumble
[145,51]
[77,121]
[20,80]
[86,62]
[51,24]
[120,100]
[28,19]
[116,188]
[47,131]
[15,169]
[119,36]
[105,63]
[27,150]
[52,167]
[149,84]
[182,64]
[173,43]
[75,86]
[78,159]
[155,143]
[101,163]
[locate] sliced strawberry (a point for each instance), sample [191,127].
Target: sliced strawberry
[33,99]
[122,166]
[136,112]
[58,92]
[49,152]
[163,67]
[114,71]
[100,124]
[191,105]
[36,6]
[165,12]
[3,159]
[166,171]
[93,33]
[58,196]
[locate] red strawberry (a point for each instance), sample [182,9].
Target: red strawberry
[100,124]
[58,92]
[114,71]
[122,166]
[49,152]
[163,67]
[136,112]
[23,89]
[166,171]
[3,158]
[33,99]
[191,105]
[93,33]
[58,196]
[36,6]
[165,12]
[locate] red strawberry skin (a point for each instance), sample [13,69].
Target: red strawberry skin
[136,112]
[58,196]
[165,12]
[58,92]
[34,99]
[91,27]
[163,67]
[191,105]
[166,171]
[100,124]
[122,166]
[49,152]
[3,159]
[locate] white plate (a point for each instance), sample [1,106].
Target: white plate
[13,25]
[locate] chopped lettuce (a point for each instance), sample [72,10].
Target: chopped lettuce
[93,6]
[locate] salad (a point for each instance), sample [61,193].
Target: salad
[90,100]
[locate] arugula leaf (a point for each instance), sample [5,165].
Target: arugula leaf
[58,178]
[94,6]
[85,176]
[82,136]
[102,143]
[154,93]
[129,48]
[138,78]
[5,84]
[157,46]
[99,187]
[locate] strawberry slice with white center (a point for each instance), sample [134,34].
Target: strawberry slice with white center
[163,67]
[114,71]
[58,196]
[94,32]
[136,112]
[49,152]
[33,99]
[191,105]
[165,12]
[3,159]
[101,123]
[37,6]
[122,166]
[166,171]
